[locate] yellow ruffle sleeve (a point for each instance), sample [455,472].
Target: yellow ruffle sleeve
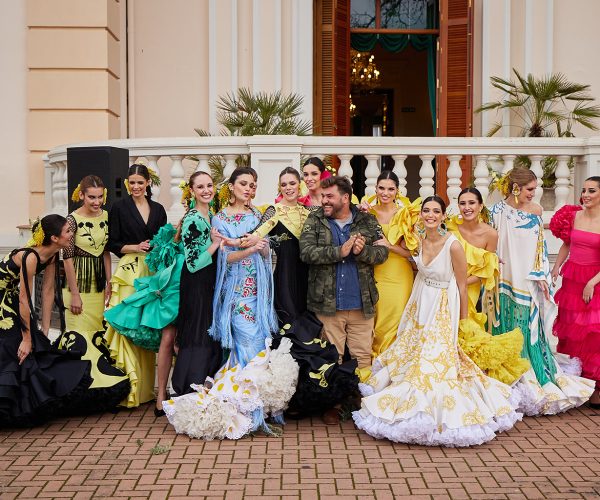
[403,223]
[480,262]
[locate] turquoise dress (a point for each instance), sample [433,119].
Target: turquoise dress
[243,311]
[155,303]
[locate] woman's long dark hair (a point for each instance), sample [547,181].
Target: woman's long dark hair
[139,169]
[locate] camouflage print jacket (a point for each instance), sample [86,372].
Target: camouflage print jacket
[317,250]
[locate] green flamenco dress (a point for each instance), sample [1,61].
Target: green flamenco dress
[155,303]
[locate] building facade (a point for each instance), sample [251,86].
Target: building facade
[92,70]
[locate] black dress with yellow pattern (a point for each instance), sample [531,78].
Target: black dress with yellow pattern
[50,382]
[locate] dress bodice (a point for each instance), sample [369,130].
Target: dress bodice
[585,247]
[440,268]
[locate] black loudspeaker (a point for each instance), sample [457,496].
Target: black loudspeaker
[108,163]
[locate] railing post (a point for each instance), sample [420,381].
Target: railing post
[536,168]
[345,168]
[49,171]
[562,173]
[229,165]
[60,194]
[153,164]
[371,174]
[400,170]
[482,176]
[203,164]
[176,210]
[426,174]
[509,162]
[454,174]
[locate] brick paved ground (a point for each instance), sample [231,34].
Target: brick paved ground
[111,456]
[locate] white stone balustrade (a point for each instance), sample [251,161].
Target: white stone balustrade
[270,154]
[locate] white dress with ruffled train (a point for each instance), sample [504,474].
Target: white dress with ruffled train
[424,389]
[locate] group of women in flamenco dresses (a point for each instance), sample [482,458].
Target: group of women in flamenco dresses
[461,350]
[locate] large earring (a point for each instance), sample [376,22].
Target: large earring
[516,192]
[442,229]
[420,229]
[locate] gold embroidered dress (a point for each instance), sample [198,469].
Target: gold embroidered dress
[424,389]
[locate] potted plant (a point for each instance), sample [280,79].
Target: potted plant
[548,106]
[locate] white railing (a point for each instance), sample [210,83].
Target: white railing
[270,154]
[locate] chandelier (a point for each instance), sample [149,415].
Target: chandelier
[364,74]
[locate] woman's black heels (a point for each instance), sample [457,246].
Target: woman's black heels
[161,412]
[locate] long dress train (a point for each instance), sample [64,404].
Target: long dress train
[577,324]
[546,388]
[424,389]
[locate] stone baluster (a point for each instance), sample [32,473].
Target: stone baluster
[176,209]
[536,168]
[371,174]
[454,175]
[400,171]
[482,176]
[229,165]
[426,174]
[153,164]
[509,162]
[563,173]
[203,164]
[345,169]
[60,194]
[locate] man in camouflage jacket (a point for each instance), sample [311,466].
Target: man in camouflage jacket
[337,242]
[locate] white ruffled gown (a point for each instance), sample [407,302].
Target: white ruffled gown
[424,389]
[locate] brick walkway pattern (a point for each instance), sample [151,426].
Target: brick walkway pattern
[132,454]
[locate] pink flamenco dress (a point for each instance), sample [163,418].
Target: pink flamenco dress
[577,325]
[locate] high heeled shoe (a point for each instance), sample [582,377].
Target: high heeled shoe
[161,412]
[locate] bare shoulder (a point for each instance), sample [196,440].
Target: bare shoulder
[536,209]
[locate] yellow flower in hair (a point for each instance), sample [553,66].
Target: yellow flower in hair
[76,192]
[186,192]
[128,189]
[104,196]
[37,235]
[224,195]
[501,183]
[154,177]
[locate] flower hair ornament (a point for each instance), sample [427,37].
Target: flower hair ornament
[224,195]
[501,183]
[187,200]
[154,178]
[37,233]
[77,191]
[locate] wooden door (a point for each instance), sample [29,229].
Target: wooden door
[455,78]
[331,115]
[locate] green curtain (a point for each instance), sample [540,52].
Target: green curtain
[365,42]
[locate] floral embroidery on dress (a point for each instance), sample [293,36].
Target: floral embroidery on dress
[245,311]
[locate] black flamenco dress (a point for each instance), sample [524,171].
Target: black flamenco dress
[199,355]
[50,382]
[322,382]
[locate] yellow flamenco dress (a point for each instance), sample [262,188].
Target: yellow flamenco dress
[137,362]
[498,356]
[84,332]
[394,279]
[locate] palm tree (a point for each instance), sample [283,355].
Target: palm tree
[546,107]
[247,113]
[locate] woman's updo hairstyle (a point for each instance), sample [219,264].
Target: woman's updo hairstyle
[139,169]
[52,225]
[388,174]
[437,199]
[317,162]
[471,190]
[594,178]
[241,171]
[290,171]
